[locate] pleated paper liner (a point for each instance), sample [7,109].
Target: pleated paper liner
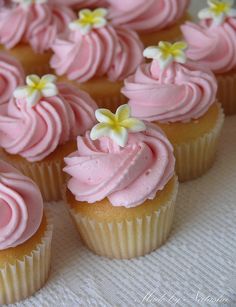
[33,63]
[194,158]
[48,174]
[29,274]
[132,237]
[226,92]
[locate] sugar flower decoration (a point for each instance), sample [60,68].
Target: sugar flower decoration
[29,2]
[36,89]
[89,20]
[116,126]
[166,53]
[218,10]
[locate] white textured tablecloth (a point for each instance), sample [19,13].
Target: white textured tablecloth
[196,267]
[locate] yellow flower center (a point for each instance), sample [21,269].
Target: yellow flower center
[169,51]
[220,8]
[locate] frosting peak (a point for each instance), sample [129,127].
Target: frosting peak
[36,132]
[35,24]
[115,52]
[179,93]
[146,16]
[214,47]
[21,207]
[128,175]
[11,76]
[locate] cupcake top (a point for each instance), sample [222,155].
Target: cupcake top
[213,40]
[170,88]
[43,115]
[34,22]
[21,207]
[101,48]
[146,15]
[121,159]
[11,75]
[79,4]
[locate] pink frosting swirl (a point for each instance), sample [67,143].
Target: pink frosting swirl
[21,207]
[179,93]
[214,46]
[79,4]
[126,176]
[105,51]
[36,132]
[37,24]
[146,15]
[11,76]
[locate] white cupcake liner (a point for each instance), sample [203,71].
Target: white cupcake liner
[226,92]
[47,175]
[193,159]
[129,238]
[111,103]
[22,279]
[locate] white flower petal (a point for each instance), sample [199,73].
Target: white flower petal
[49,90]
[123,112]
[85,29]
[99,131]
[21,92]
[49,78]
[34,98]
[151,52]
[229,2]
[99,23]
[181,58]
[219,19]
[165,62]
[84,13]
[134,125]
[120,136]
[104,116]
[100,12]
[205,14]
[32,80]
[74,26]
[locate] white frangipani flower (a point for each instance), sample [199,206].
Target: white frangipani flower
[218,10]
[116,126]
[166,53]
[36,89]
[89,20]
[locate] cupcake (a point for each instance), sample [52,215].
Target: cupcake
[213,42]
[39,128]
[25,237]
[106,56]
[122,189]
[179,96]
[154,20]
[11,76]
[28,29]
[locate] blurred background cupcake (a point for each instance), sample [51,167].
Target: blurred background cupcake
[97,56]
[11,76]
[39,128]
[122,189]
[180,97]
[213,42]
[25,237]
[28,29]
[154,20]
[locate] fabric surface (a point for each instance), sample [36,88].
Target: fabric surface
[196,267]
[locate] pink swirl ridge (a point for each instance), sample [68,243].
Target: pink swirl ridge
[38,25]
[36,132]
[126,176]
[11,76]
[105,51]
[179,93]
[214,46]
[21,207]
[146,15]
[79,4]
